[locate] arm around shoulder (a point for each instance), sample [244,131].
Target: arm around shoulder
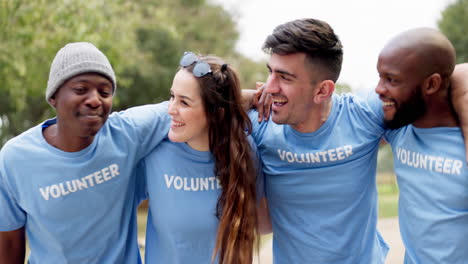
[459,82]
[12,247]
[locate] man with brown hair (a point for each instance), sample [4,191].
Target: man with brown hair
[319,153]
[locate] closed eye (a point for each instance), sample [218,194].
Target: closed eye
[391,80]
[285,77]
[105,93]
[79,90]
[269,69]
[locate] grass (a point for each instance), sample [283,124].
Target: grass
[388,195]
[388,200]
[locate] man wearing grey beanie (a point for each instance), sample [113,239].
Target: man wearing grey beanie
[69,183]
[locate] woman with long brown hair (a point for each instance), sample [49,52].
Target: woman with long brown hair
[202,182]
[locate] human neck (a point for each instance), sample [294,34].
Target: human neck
[316,119]
[54,137]
[440,113]
[200,144]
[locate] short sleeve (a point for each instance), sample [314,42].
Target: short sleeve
[372,108]
[149,123]
[258,129]
[12,216]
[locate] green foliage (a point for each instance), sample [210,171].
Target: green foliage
[453,24]
[342,88]
[172,28]
[249,71]
[31,32]
[143,40]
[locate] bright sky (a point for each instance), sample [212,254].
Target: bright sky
[364,26]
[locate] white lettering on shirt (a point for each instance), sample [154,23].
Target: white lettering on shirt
[68,187]
[428,162]
[191,184]
[330,155]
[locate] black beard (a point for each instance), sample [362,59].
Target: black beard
[408,111]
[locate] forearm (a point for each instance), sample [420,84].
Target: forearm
[248,98]
[459,81]
[12,247]
[263,215]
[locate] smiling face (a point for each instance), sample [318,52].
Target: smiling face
[83,104]
[189,122]
[400,87]
[292,89]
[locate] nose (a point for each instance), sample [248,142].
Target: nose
[272,84]
[172,109]
[380,88]
[93,99]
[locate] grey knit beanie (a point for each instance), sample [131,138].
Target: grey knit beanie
[74,59]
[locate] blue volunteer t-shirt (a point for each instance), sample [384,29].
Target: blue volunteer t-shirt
[183,192]
[321,186]
[433,205]
[79,207]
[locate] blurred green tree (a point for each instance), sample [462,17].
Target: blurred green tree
[143,40]
[31,32]
[170,29]
[453,23]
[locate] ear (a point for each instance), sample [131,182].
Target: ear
[53,101]
[432,84]
[324,91]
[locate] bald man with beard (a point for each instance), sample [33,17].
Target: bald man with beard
[319,149]
[429,155]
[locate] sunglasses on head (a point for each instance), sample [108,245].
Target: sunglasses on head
[200,69]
